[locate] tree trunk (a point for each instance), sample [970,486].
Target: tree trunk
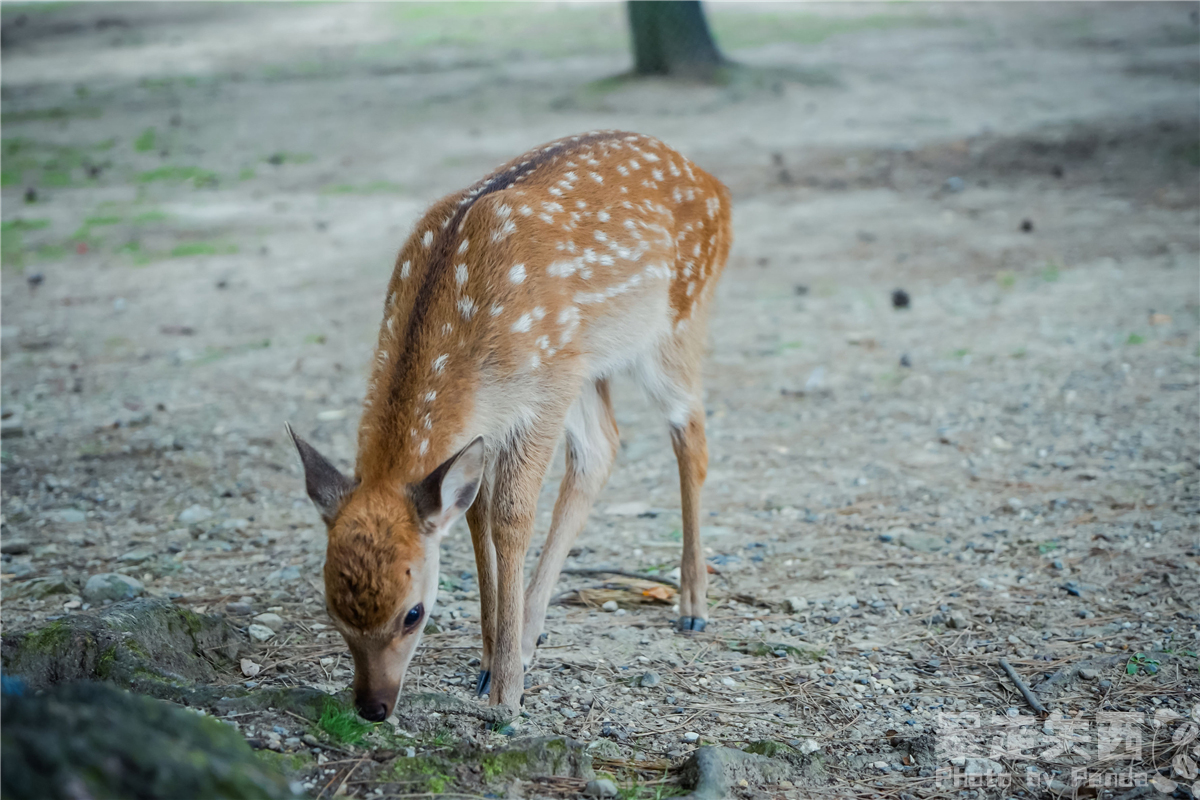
[671,37]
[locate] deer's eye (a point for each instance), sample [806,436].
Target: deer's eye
[413,616]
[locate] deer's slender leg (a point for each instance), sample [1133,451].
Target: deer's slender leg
[691,451]
[591,445]
[519,471]
[478,519]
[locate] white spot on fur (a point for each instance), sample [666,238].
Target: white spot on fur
[526,211]
[430,396]
[523,324]
[460,274]
[439,363]
[424,448]
[496,311]
[597,177]
[600,236]
[427,239]
[538,312]
[462,248]
[517,273]
[405,270]
[602,216]
[466,307]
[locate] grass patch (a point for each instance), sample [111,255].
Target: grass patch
[97,221]
[199,177]
[53,114]
[246,174]
[188,249]
[1006,279]
[151,216]
[24,225]
[147,141]
[343,725]
[1135,338]
[374,187]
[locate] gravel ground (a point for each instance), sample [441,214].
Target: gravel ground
[201,205]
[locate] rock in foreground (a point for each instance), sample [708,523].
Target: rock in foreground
[93,740]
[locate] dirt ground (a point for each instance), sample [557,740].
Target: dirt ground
[201,204]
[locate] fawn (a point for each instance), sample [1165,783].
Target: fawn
[509,308]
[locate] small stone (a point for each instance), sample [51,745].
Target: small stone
[809,746]
[984,583]
[284,575]
[71,516]
[14,547]
[1089,674]
[691,736]
[272,621]
[12,426]
[136,556]
[310,740]
[111,586]
[568,713]
[1064,462]
[249,668]
[649,680]
[958,621]
[900,299]
[610,606]
[954,184]
[193,514]
[921,542]
[600,787]
[728,682]
[260,633]
[239,609]
[795,605]
[845,601]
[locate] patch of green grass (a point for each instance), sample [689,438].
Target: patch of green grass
[283,157]
[1020,352]
[1135,338]
[151,216]
[188,249]
[315,338]
[57,113]
[960,352]
[24,225]
[12,249]
[147,141]
[246,174]
[374,187]
[212,354]
[343,725]
[1047,547]
[175,174]
[733,27]
[1006,279]
[102,220]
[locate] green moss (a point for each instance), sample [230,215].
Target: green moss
[770,748]
[47,639]
[24,225]
[151,216]
[496,765]
[429,774]
[106,662]
[102,220]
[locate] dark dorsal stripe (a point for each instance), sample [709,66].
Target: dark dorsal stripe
[442,249]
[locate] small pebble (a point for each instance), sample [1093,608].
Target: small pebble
[600,787]
[649,680]
[691,736]
[610,606]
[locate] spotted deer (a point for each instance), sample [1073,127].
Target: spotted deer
[510,307]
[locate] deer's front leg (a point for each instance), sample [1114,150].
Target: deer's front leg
[479,520]
[519,473]
[691,451]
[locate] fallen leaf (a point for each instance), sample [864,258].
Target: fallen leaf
[249,668]
[663,593]
[1164,785]
[1160,319]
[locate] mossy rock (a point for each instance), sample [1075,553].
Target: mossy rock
[154,646]
[712,772]
[94,740]
[771,749]
[423,773]
[541,757]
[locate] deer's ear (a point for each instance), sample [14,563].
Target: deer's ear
[326,486]
[447,492]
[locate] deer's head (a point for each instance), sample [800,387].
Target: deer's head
[381,566]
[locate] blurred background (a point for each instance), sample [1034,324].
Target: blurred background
[962,303]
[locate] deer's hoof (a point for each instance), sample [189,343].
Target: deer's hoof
[542,637]
[484,684]
[694,624]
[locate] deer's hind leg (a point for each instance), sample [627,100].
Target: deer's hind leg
[479,521]
[672,378]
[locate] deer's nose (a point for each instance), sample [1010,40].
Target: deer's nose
[372,710]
